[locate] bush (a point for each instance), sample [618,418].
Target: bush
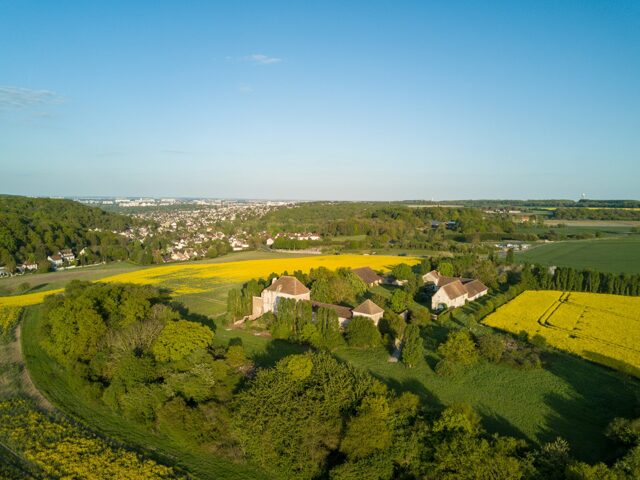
[400,300]
[491,347]
[538,341]
[446,368]
[459,348]
[624,431]
[179,339]
[392,325]
[361,332]
[412,347]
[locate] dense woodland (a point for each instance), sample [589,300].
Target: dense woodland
[33,228]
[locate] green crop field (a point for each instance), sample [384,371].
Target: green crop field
[617,255]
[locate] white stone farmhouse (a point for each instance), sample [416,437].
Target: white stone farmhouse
[453,291]
[290,287]
[283,287]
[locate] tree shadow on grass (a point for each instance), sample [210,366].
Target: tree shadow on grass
[596,396]
[194,317]
[276,350]
[414,386]
[492,422]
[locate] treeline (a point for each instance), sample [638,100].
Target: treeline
[505,203]
[569,279]
[33,228]
[384,225]
[609,203]
[283,243]
[596,214]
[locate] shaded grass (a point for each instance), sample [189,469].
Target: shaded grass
[67,393]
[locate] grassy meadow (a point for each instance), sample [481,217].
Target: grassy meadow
[616,255]
[599,327]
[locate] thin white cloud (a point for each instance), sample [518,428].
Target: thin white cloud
[260,59]
[245,88]
[23,98]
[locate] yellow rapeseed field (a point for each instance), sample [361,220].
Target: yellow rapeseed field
[190,278]
[599,327]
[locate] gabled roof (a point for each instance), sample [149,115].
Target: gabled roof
[454,289]
[439,280]
[367,275]
[368,308]
[288,285]
[474,287]
[343,312]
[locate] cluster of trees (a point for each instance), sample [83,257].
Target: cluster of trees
[137,355]
[294,322]
[33,228]
[570,279]
[391,225]
[284,243]
[216,248]
[340,287]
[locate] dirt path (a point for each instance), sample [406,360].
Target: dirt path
[26,384]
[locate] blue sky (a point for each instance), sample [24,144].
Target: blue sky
[321,100]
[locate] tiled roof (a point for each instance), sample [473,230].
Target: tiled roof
[289,285]
[368,308]
[343,312]
[367,275]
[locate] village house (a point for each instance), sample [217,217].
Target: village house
[283,287]
[28,267]
[368,276]
[67,255]
[290,287]
[345,314]
[453,291]
[55,260]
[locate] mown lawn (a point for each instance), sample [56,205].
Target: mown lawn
[616,255]
[66,393]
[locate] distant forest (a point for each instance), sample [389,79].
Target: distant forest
[33,228]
